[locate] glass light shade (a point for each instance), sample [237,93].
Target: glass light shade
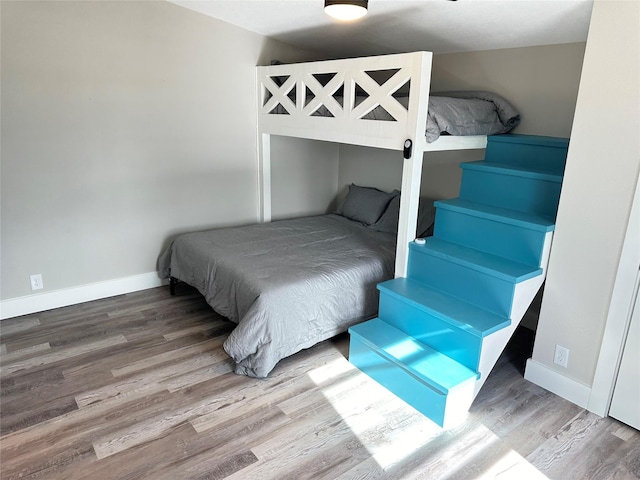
[345,10]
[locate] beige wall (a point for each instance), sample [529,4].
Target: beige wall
[597,193]
[541,82]
[304,177]
[123,124]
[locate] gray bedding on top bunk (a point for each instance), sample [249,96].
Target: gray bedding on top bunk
[287,284]
[456,113]
[469,113]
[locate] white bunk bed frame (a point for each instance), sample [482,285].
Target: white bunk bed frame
[286,88]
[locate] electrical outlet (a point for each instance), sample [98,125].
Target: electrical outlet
[561,356]
[36,282]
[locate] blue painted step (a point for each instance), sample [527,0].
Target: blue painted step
[421,376]
[549,153]
[462,283]
[500,231]
[446,323]
[534,190]
[480,278]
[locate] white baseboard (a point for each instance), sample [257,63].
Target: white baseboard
[16,307]
[557,383]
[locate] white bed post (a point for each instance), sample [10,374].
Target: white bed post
[411,175]
[264,155]
[412,166]
[264,180]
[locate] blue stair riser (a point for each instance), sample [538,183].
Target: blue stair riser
[510,241]
[397,380]
[542,152]
[437,333]
[475,287]
[509,191]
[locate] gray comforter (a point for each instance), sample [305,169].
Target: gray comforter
[462,113]
[469,113]
[287,284]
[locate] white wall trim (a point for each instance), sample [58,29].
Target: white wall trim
[557,383]
[15,307]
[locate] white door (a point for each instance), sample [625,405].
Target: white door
[625,404]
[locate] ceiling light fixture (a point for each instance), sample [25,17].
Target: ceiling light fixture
[346,9]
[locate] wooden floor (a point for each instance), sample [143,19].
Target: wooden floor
[138,386]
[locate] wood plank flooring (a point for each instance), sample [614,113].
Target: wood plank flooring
[138,386]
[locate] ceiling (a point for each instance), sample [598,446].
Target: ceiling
[393,26]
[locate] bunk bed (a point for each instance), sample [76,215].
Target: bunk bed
[291,284]
[341,100]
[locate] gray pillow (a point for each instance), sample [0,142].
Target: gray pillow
[388,222]
[364,204]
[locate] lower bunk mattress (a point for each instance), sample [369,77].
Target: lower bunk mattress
[287,284]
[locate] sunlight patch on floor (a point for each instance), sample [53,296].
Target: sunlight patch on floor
[330,371]
[510,466]
[390,429]
[394,432]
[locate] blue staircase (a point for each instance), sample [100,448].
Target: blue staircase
[440,331]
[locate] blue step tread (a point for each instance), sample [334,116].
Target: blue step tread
[498,214]
[536,173]
[558,142]
[455,311]
[487,263]
[425,363]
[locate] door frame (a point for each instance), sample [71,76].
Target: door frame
[619,316]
